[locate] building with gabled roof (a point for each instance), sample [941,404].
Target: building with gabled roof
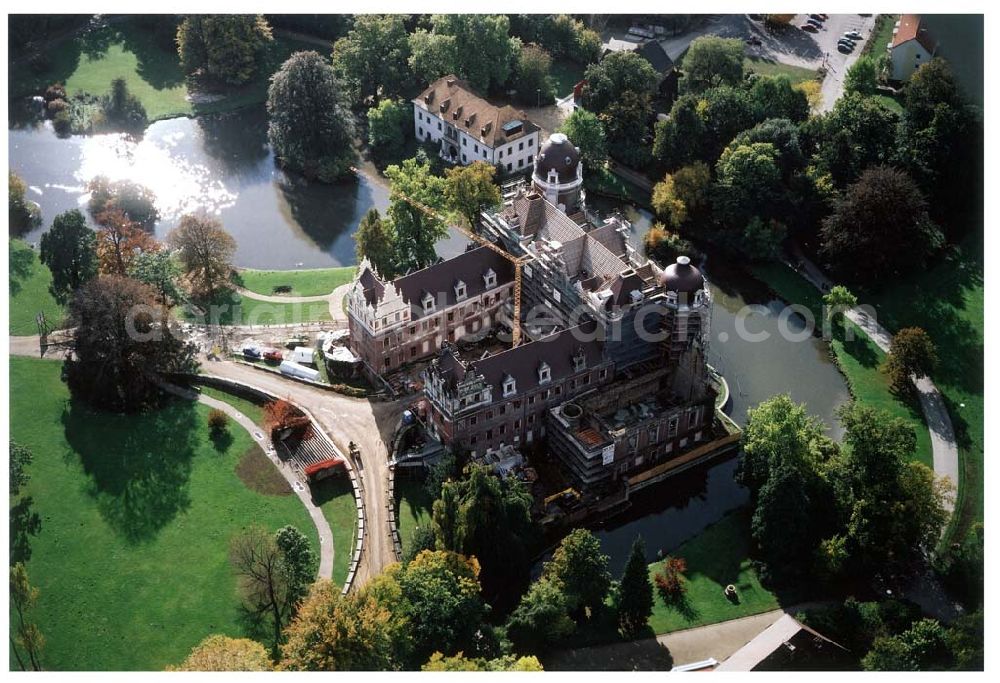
[911,45]
[468,128]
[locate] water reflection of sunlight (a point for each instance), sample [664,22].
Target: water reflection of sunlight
[179,185]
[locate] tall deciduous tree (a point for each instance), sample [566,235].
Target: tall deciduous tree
[20,458]
[635,592]
[298,558]
[123,338]
[159,270]
[205,251]
[222,653]
[862,77]
[484,52]
[416,230]
[22,212]
[487,517]
[710,62]
[371,60]
[311,125]
[680,139]
[912,353]
[120,241]
[334,632]
[531,78]
[776,98]
[875,215]
[748,183]
[69,249]
[616,74]
[225,47]
[584,129]
[541,618]
[25,633]
[136,201]
[470,190]
[388,124]
[266,587]
[580,568]
[375,241]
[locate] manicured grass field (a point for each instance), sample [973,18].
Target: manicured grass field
[715,558]
[881,34]
[946,299]
[235,309]
[335,496]
[413,508]
[89,62]
[314,282]
[28,291]
[137,513]
[766,67]
[859,360]
[254,411]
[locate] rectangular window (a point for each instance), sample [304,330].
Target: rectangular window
[520,163]
[520,147]
[531,143]
[510,167]
[439,125]
[530,158]
[500,155]
[476,149]
[463,158]
[484,153]
[421,130]
[464,141]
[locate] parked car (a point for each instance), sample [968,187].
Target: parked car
[847,41]
[824,17]
[815,22]
[846,49]
[853,35]
[250,353]
[274,355]
[292,342]
[817,17]
[809,28]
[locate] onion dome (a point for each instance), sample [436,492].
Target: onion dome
[558,154]
[682,277]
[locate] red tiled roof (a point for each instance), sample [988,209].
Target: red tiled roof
[328,464]
[909,28]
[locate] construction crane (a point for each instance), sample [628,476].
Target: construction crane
[517,261]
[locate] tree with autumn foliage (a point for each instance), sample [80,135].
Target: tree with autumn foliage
[205,251]
[670,579]
[281,415]
[120,241]
[222,653]
[460,662]
[335,632]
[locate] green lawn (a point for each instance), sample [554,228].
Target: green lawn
[89,62]
[234,309]
[859,360]
[881,34]
[413,507]
[766,67]
[565,74]
[28,291]
[890,103]
[314,282]
[335,496]
[715,558]
[947,301]
[254,411]
[136,516]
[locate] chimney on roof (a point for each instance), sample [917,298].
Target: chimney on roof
[450,82]
[535,212]
[485,130]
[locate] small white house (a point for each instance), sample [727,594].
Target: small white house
[911,46]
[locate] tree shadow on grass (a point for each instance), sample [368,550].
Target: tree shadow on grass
[22,265]
[24,523]
[222,439]
[159,68]
[138,466]
[857,345]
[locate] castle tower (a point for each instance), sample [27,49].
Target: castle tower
[558,173]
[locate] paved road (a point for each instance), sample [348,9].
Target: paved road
[368,423]
[837,63]
[943,445]
[278,299]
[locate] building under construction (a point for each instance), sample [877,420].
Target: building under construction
[555,329]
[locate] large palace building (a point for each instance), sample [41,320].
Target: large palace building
[610,371]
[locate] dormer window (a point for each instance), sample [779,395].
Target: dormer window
[490,278]
[459,290]
[544,373]
[579,360]
[509,386]
[428,302]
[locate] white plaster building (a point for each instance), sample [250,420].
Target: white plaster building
[911,46]
[468,128]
